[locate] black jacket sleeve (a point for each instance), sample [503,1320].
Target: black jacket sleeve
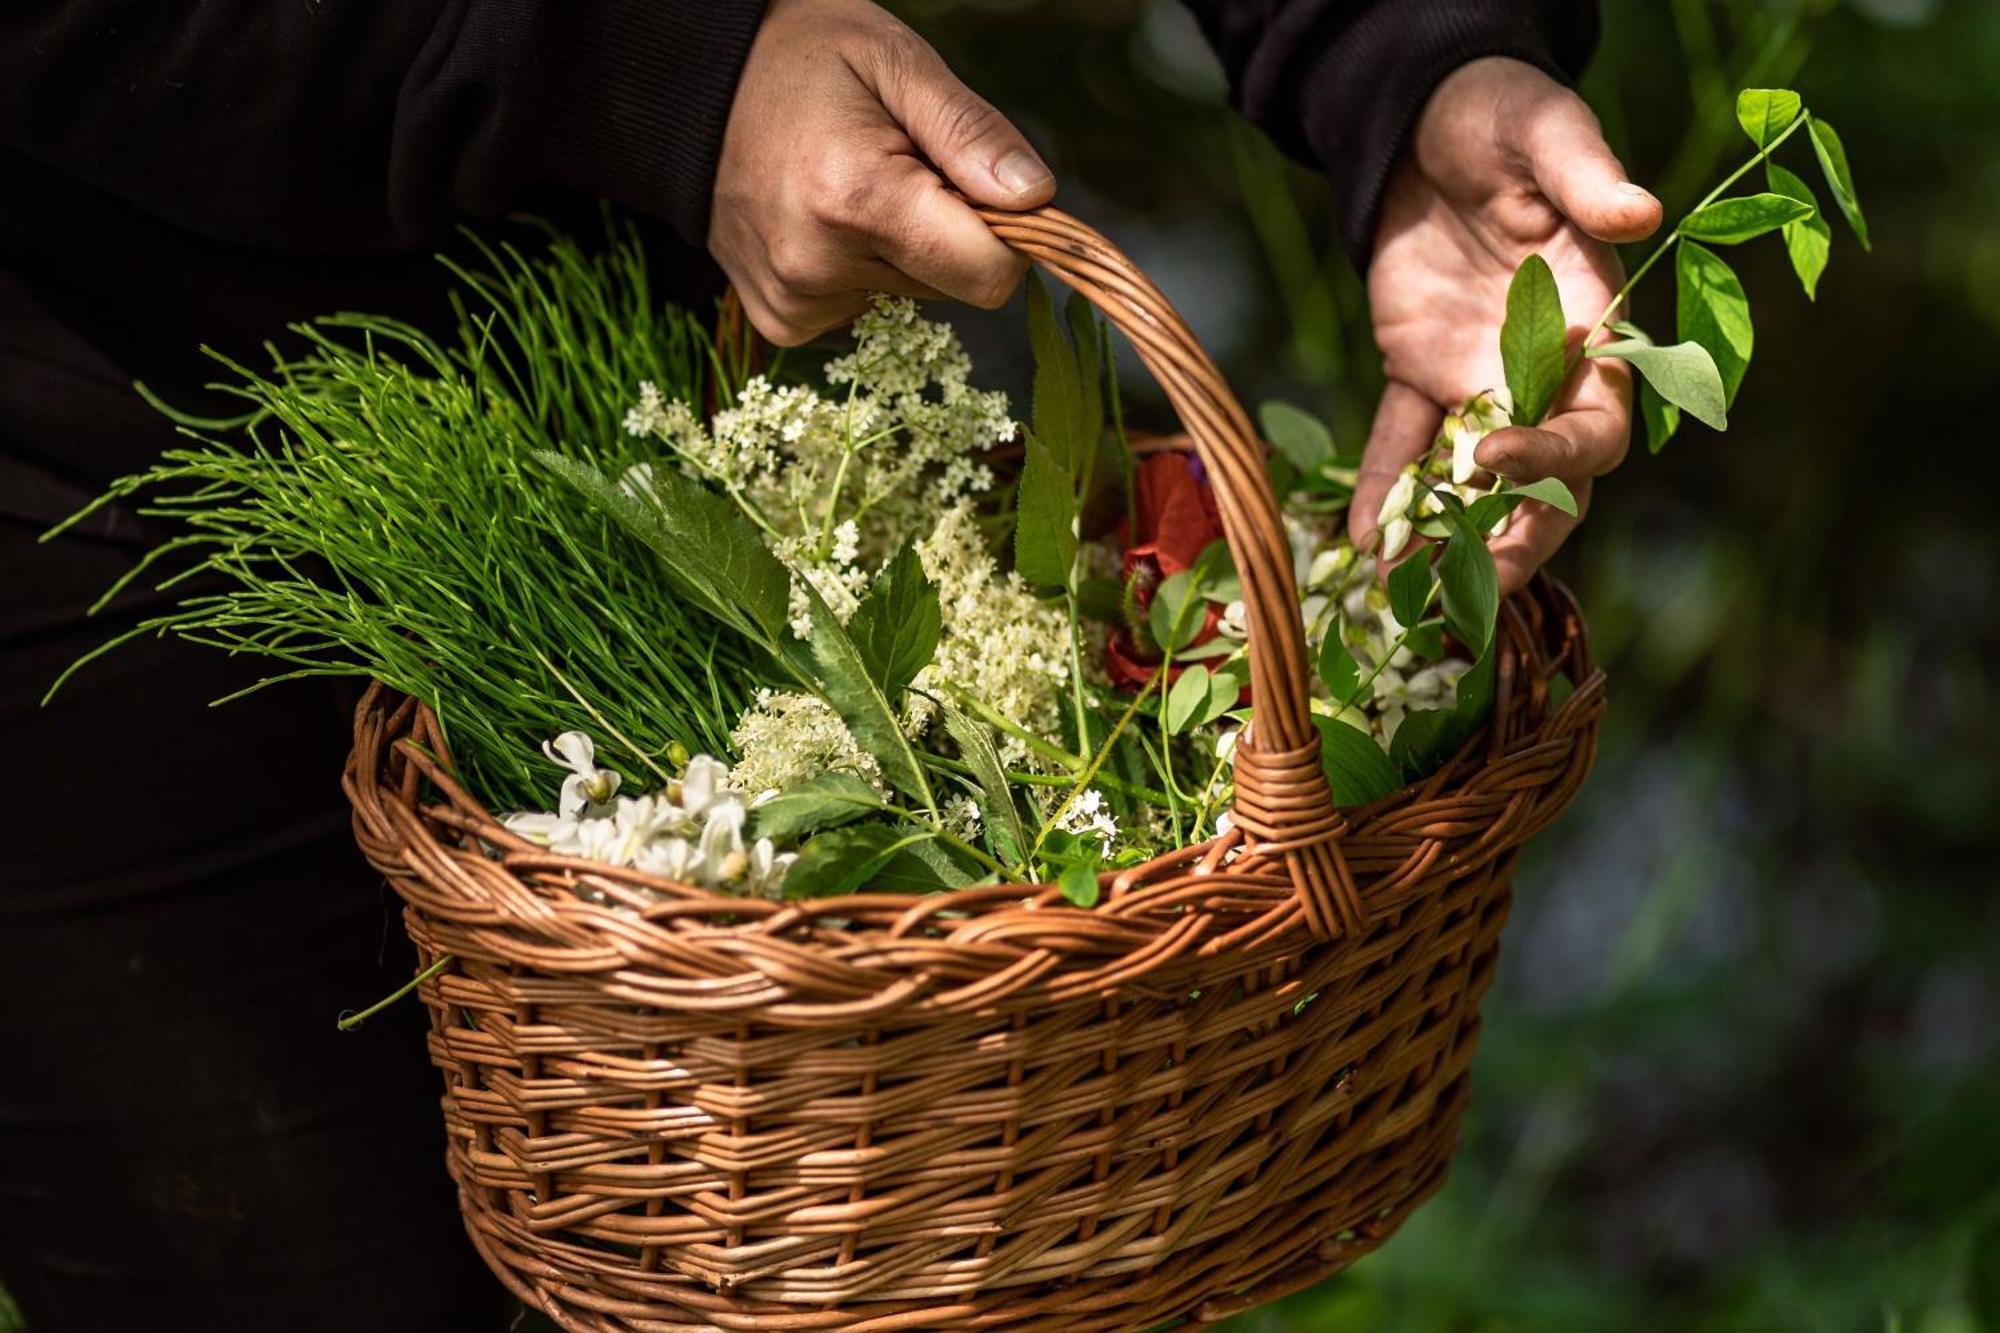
[1340,83]
[348,125]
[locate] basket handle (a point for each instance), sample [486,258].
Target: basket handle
[1282,797]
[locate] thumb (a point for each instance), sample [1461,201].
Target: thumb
[1576,169]
[976,147]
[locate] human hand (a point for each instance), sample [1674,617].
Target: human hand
[829,189]
[1505,163]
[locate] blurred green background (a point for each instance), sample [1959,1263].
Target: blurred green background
[1740,1069]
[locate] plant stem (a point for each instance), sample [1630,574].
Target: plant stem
[350,1021]
[1109,781]
[1097,761]
[1674,237]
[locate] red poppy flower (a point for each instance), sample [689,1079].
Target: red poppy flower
[1174,520]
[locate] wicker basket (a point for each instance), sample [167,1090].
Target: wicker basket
[986,1109]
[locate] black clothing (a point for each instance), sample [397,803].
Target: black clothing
[185,1142]
[1339,83]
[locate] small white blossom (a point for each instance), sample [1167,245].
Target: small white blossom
[588,789]
[1394,516]
[1087,816]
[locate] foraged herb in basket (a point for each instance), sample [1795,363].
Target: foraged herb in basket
[803,635]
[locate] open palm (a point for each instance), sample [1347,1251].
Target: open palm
[1505,163]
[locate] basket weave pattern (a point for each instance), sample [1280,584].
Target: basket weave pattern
[671,1109]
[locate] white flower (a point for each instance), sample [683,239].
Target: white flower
[788,737]
[588,789]
[766,873]
[1394,516]
[1482,414]
[540,826]
[1235,622]
[1086,816]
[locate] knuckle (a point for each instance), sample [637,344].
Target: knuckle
[965,118]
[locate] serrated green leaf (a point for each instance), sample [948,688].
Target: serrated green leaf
[1178,612]
[1683,373]
[1531,340]
[1809,241]
[1711,309]
[1765,113]
[1469,582]
[1355,767]
[1187,699]
[845,681]
[1733,221]
[844,859]
[1410,588]
[707,549]
[1079,885]
[1832,155]
[1299,436]
[921,865]
[1058,392]
[897,625]
[1045,519]
[999,815]
[1488,510]
[820,802]
[1337,668]
[1661,417]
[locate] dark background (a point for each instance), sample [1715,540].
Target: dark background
[1740,1068]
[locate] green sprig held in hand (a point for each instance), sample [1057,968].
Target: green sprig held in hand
[1701,373]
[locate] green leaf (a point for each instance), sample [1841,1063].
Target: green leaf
[1100,599]
[1225,687]
[1354,764]
[921,865]
[1488,510]
[1470,583]
[707,549]
[897,625]
[844,859]
[1733,221]
[1429,736]
[998,813]
[1809,241]
[1839,178]
[1410,588]
[1765,113]
[1045,519]
[1178,612]
[1058,392]
[1337,667]
[1079,885]
[1711,309]
[1296,434]
[1214,573]
[1683,373]
[1186,699]
[819,802]
[1531,340]
[1089,420]
[1662,418]
[845,682]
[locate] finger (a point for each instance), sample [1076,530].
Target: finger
[976,147]
[1406,422]
[1534,533]
[933,238]
[788,319]
[1586,438]
[1576,169]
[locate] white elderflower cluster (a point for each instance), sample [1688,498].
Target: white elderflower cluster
[691,831]
[1000,642]
[787,737]
[1088,817]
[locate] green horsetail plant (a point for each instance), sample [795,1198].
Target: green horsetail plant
[383,513]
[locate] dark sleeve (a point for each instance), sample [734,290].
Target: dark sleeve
[347,125]
[1340,83]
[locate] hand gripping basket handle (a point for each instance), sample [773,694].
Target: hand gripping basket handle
[1282,798]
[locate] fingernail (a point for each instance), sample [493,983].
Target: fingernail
[1020,172]
[1635,191]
